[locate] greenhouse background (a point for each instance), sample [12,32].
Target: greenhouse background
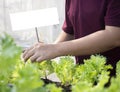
[27,37]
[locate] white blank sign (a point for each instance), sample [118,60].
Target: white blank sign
[32,19]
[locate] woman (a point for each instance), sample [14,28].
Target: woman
[90,27]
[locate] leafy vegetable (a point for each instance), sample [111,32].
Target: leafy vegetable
[45,68]
[65,70]
[92,69]
[9,54]
[115,82]
[53,88]
[18,76]
[28,77]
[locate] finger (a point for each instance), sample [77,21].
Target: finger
[28,55]
[34,57]
[26,51]
[39,59]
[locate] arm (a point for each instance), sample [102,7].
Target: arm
[64,37]
[97,42]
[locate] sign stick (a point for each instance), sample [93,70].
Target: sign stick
[37,35]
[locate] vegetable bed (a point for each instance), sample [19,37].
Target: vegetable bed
[18,76]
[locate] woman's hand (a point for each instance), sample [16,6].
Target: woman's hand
[40,52]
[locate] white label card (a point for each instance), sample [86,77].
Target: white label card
[32,19]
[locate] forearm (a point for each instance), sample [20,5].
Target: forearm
[98,42]
[64,37]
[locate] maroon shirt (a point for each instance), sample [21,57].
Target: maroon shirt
[84,17]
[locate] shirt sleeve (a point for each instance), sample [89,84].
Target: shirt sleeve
[67,26]
[112,17]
